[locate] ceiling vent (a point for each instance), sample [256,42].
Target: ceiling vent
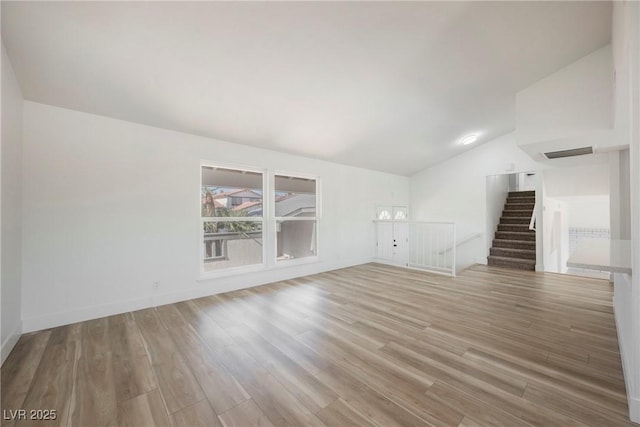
[568,153]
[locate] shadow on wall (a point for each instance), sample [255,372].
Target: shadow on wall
[467,250]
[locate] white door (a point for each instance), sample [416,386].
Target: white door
[401,243]
[392,232]
[384,249]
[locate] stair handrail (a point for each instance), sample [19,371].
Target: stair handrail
[462,242]
[532,223]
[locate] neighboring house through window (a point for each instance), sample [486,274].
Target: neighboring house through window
[234,217]
[232,230]
[296,217]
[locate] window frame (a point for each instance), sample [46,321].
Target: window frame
[316,218]
[259,219]
[268,221]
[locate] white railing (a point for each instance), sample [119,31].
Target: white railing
[532,223]
[432,246]
[461,242]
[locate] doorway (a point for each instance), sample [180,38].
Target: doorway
[392,235]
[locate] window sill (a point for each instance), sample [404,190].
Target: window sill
[237,271]
[296,261]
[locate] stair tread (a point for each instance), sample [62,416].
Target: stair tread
[514,242]
[511,259]
[523,251]
[525,233]
[529,236]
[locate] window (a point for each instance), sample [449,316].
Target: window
[232,218]
[384,214]
[295,207]
[388,213]
[399,213]
[245,226]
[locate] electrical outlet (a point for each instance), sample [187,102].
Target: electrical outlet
[155,286]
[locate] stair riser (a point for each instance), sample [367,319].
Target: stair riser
[521,199]
[505,235]
[519,213]
[530,193]
[511,264]
[520,228]
[518,207]
[508,244]
[522,220]
[514,245]
[520,203]
[510,253]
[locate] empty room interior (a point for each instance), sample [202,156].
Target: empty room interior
[320,213]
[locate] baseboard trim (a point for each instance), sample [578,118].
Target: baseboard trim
[153,300]
[53,320]
[10,342]
[633,402]
[634,409]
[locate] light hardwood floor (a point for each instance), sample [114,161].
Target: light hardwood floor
[367,345]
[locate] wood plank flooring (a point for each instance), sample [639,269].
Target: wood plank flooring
[371,345]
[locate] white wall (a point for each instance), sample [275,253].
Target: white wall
[570,108]
[455,190]
[587,211]
[497,192]
[111,206]
[11,259]
[620,195]
[626,47]
[625,196]
[575,99]
[589,180]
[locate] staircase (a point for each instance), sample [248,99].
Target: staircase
[514,245]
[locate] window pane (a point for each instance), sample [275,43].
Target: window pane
[399,213]
[295,239]
[231,244]
[231,193]
[383,212]
[295,197]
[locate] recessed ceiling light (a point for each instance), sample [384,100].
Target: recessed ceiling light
[469,139]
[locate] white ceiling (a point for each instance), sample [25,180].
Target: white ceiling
[390,86]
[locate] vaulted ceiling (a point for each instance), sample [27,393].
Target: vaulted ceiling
[390,86]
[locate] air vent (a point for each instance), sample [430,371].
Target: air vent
[569,153]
